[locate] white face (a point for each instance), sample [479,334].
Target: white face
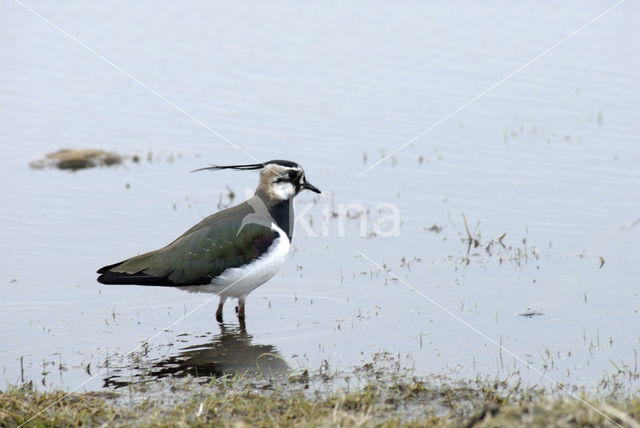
[283,189]
[285,181]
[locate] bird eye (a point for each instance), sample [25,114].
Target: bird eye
[293,174]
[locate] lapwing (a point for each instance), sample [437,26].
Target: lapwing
[231,252]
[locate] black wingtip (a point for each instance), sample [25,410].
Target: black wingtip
[107,268]
[110,277]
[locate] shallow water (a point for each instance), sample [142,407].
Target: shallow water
[550,157]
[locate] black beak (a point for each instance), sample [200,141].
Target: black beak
[311,187]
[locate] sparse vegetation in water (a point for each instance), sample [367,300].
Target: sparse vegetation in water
[75,159]
[496,248]
[435,228]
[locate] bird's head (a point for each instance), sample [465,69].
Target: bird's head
[280,180]
[283,180]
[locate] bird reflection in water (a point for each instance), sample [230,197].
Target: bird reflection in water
[230,352]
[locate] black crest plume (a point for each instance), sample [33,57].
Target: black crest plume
[246,167]
[250,166]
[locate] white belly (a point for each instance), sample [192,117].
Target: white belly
[239,281]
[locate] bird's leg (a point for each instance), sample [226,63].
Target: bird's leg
[219,311]
[240,309]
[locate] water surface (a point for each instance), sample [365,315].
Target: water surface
[550,159]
